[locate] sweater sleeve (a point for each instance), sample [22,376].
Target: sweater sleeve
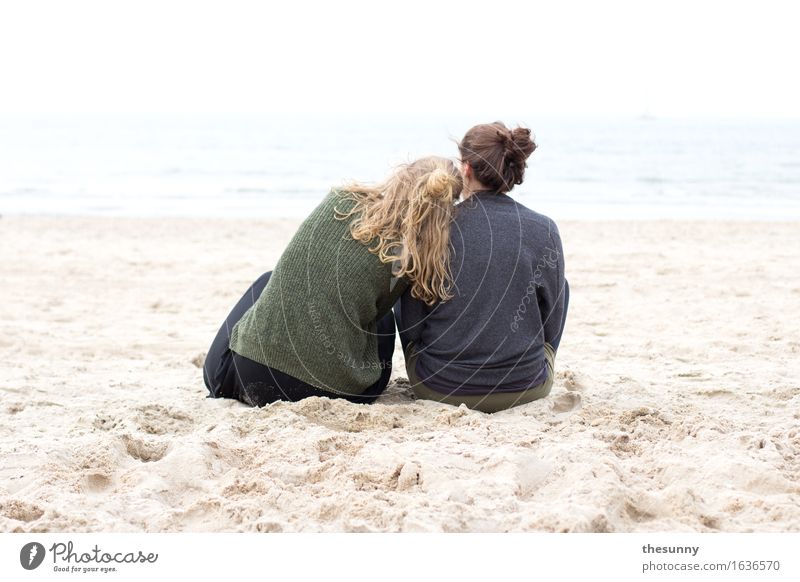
[410,318]
[553,290]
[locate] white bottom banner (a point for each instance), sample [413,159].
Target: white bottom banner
[387,557]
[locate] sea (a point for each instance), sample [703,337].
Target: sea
[270,166]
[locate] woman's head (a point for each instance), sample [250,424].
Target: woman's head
[495,156]
[406,221]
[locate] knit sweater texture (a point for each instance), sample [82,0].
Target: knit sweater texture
[508,300]
[316,319]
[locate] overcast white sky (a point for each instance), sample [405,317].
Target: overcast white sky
[670,58]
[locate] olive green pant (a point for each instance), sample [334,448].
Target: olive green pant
[492,402]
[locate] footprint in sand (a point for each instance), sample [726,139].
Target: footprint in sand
[105,421]
[569,380]
[97,482]
[157,419]
[20,510]
[145,451]
[567,402]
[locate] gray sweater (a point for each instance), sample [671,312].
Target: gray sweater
[508,269]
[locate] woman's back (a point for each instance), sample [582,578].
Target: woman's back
[311,322]
[508,271]
[320,324]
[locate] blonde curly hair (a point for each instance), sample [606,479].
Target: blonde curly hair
[406,221]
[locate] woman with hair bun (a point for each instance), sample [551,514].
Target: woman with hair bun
[320,324]
[492,345]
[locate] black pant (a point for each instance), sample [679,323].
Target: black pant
[229,375]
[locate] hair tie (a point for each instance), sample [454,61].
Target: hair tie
[438,183]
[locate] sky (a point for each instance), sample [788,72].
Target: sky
[669,58]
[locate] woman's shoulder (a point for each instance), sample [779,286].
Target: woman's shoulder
[335,201]
[341,199]
[543,227]
[536,219]
[335,194]
[498,207]
[504,219]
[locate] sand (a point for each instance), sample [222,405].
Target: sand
[676,406]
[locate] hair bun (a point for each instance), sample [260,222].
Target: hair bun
[520,138]
[497,154]
[509,147]
[438,183]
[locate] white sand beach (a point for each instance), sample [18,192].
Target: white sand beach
[676,405]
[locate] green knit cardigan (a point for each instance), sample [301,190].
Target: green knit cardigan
[317,317]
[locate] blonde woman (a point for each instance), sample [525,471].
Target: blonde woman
[320,324]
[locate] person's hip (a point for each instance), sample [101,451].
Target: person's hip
[491,401]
